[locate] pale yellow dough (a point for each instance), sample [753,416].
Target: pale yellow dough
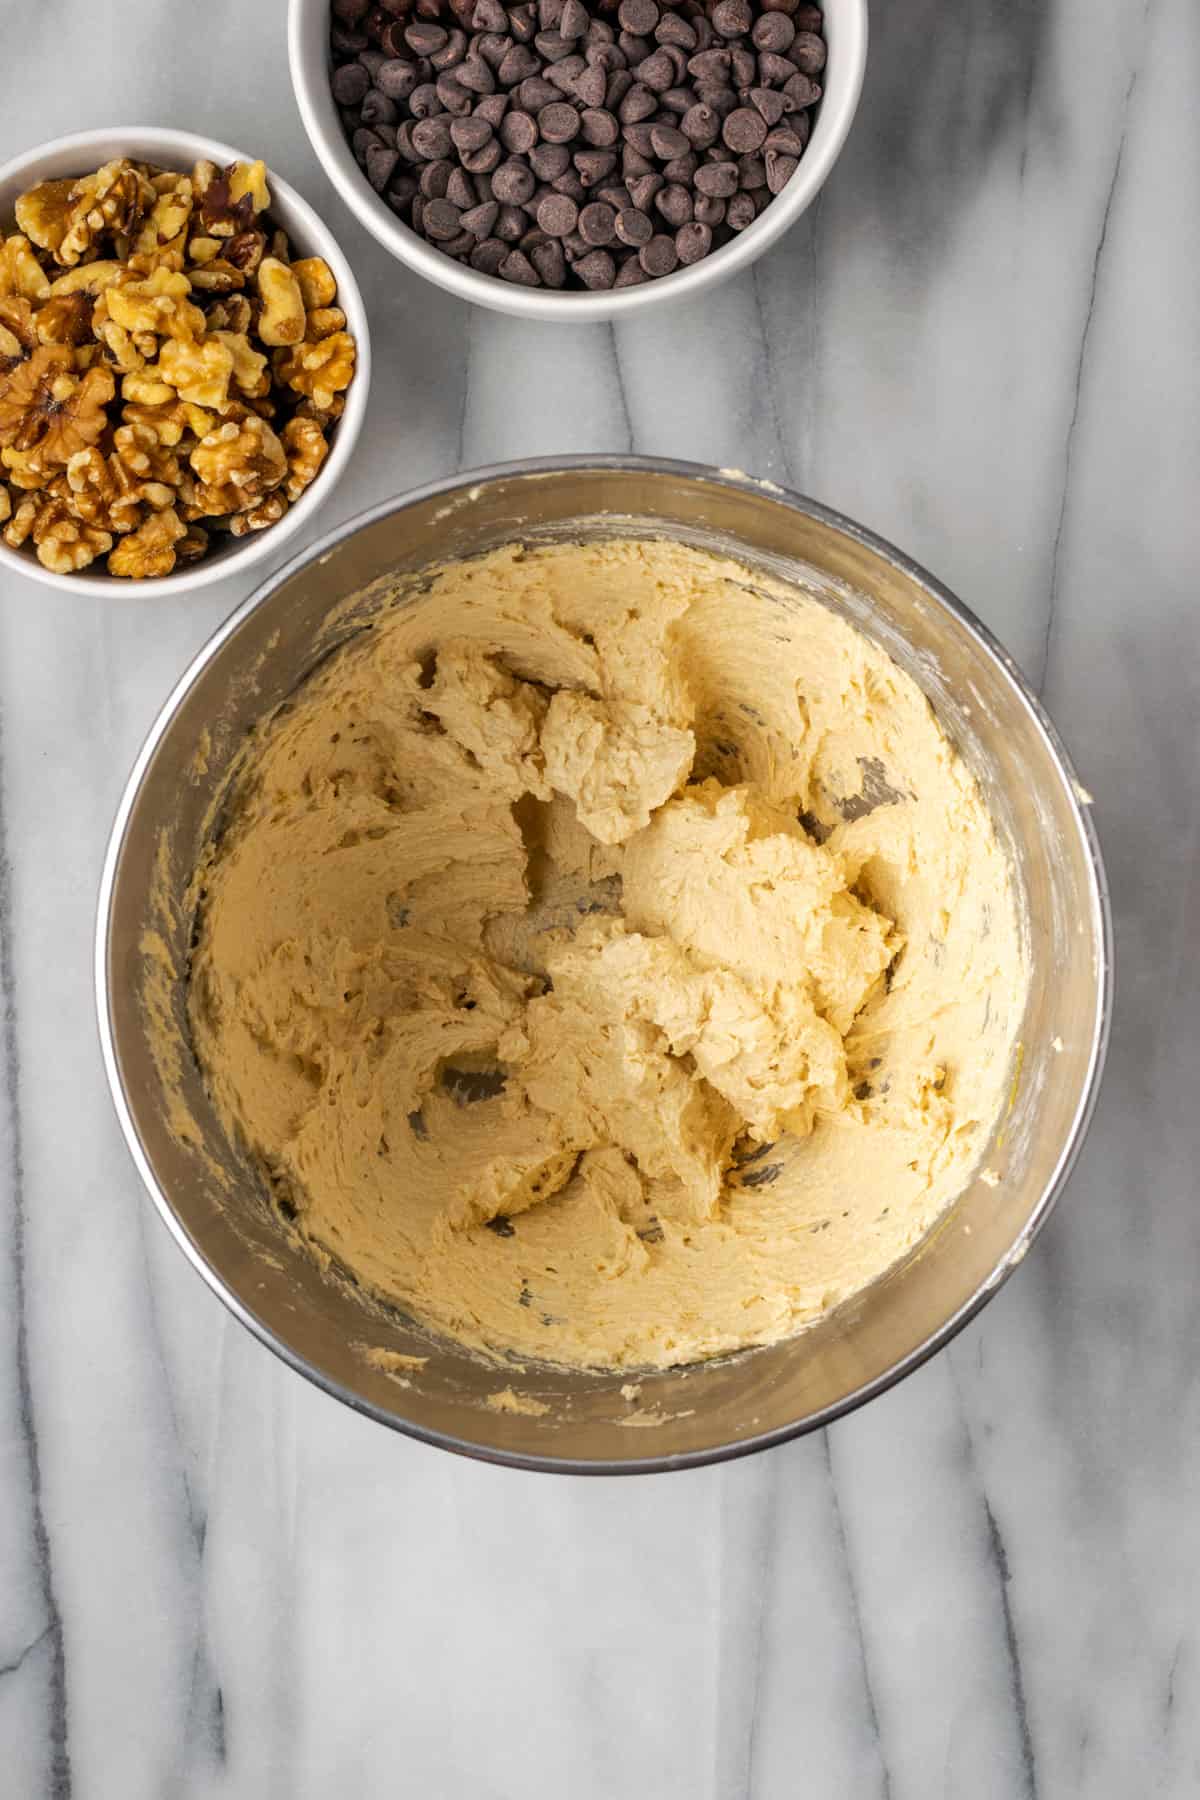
[608,959]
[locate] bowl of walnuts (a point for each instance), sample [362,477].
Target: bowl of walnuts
[184,361]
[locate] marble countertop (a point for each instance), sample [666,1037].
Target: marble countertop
[982,341]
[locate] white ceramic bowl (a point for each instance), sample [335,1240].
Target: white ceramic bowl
[308,53]
[84,151]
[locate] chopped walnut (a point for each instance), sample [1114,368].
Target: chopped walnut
[20,321]
[20,271]
[237,464]
[159,305]
[322,322]
[231,361]
[65,319]
[88,278]
[45,406]
[232,312]
[104,492]
[321,370]
[142,452]
[192,544]
[257,518]
[63,542]
[250,371]
[306,449]
[282,318]
[44,213]
[218,277]
[150,550]
[198,369]
[317,285]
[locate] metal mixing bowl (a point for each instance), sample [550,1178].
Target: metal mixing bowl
[214,1205]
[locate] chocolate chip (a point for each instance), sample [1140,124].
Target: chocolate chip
[768,104]
[639,103]
[431,138]
[780,169]
[744,130]
[485,159]
[659,256]
[597,223]
[550,263]
[350,84]
[435,179]
[470,134]
[558,122]
[666,142]
[487,257]
[718,179]
[773,31]
[565,74]
[574,21]
[598,128]
[533,93]
[557,215]
[513,183]
[475,75]
[572,144]
[633,227]
[549,160]
[591,87]
[808,52]
[424,102]
[741,212]
[480,219]
[425,37]
[657,72]
[461,189]
[492,108]
[441,219]
[671,29]
[454,97]
[597,269]
[512,224]
[518,268]
[800,91]
[451,53]
[519,62]
[396,78]
[594,166]
[643,189]
[518,133]
[675,204]
[692,241]
[489,15]
[381,165]
[638,16]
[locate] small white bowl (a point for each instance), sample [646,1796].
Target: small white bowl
[308,54]
[84,151]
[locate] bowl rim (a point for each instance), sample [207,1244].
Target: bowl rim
[1080,803]
[169,143]
[839,103]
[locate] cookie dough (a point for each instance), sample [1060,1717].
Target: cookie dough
[607,958]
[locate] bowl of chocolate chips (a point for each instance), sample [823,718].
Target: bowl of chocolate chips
[577,159]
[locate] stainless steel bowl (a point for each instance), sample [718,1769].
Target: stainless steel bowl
[318,1324]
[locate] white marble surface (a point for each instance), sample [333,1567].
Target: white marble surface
[213,1580]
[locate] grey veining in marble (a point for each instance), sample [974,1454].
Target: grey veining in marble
[983,341]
